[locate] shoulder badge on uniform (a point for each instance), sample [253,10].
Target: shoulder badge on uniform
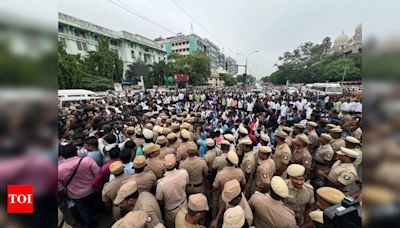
[149,219]
[346,177]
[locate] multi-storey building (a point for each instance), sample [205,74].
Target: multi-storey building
[187,44]
[80,37]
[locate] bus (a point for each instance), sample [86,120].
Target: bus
[66,95]
[324,89]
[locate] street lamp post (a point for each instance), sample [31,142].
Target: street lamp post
[344,73]
[245,66]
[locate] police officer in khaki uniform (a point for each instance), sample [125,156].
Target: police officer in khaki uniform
[146,181]
[110,189]
[282,154]
[324,155]
[181,152]
[171,190]
[269,210]
[230,139]
[196,168]
[342,173]
[232,196]
[220,161]
[288,139]
[135,219]
[191,217]
[211,154]
[248,165]
[154,164]
[337,141]
[265,169]
[129,199]
[173,141]
[298,129]
[243,132]
[326,197]
[354,143]
[139,140]
[312,135]
[302,156]
[164,150]
[229,172]
[302,193]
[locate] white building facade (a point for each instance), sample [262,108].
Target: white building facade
[80,37]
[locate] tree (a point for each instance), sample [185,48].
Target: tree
[104,63]
[71,70]
[313,63]
[228,79]
[334,71]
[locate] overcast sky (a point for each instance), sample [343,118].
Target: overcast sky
[243,26]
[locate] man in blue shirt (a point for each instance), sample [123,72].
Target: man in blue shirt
[93,152]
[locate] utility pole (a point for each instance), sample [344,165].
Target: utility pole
[245,66]
[344,73]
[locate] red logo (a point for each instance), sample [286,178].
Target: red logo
[20,199]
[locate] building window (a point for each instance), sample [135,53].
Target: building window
[61,29]
[133,54]
[114,42]
[146,49]
[81,46]
[63,42]
[79,33]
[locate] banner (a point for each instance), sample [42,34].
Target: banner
[181,77]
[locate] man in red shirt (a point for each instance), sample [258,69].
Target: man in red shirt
[103,175]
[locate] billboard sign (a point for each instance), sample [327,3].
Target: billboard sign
[181,77]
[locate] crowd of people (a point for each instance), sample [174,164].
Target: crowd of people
[208,158]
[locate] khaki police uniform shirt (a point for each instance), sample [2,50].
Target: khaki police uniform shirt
[289,140]
[345,173]
[165,151]
[324,153]
[145,181]
[302,157]
[156,166]
[195,167]
[110,189]
[181,152]
[147,202]
[313,138]
[248,214]
[265,171]
[175,145]
[180,221]
[337,143]
[358,160]
[270,213]
[301,198]
[226,174]
[219,162]
[249,163]
[282,155]
[171,189]
[210,156]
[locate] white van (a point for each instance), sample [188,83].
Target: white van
[65,95]
[323,89]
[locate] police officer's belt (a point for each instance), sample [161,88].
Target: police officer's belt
[195,185]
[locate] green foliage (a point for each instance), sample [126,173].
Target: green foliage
[228,79]
[97,71]
[311,63]
[248,79]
